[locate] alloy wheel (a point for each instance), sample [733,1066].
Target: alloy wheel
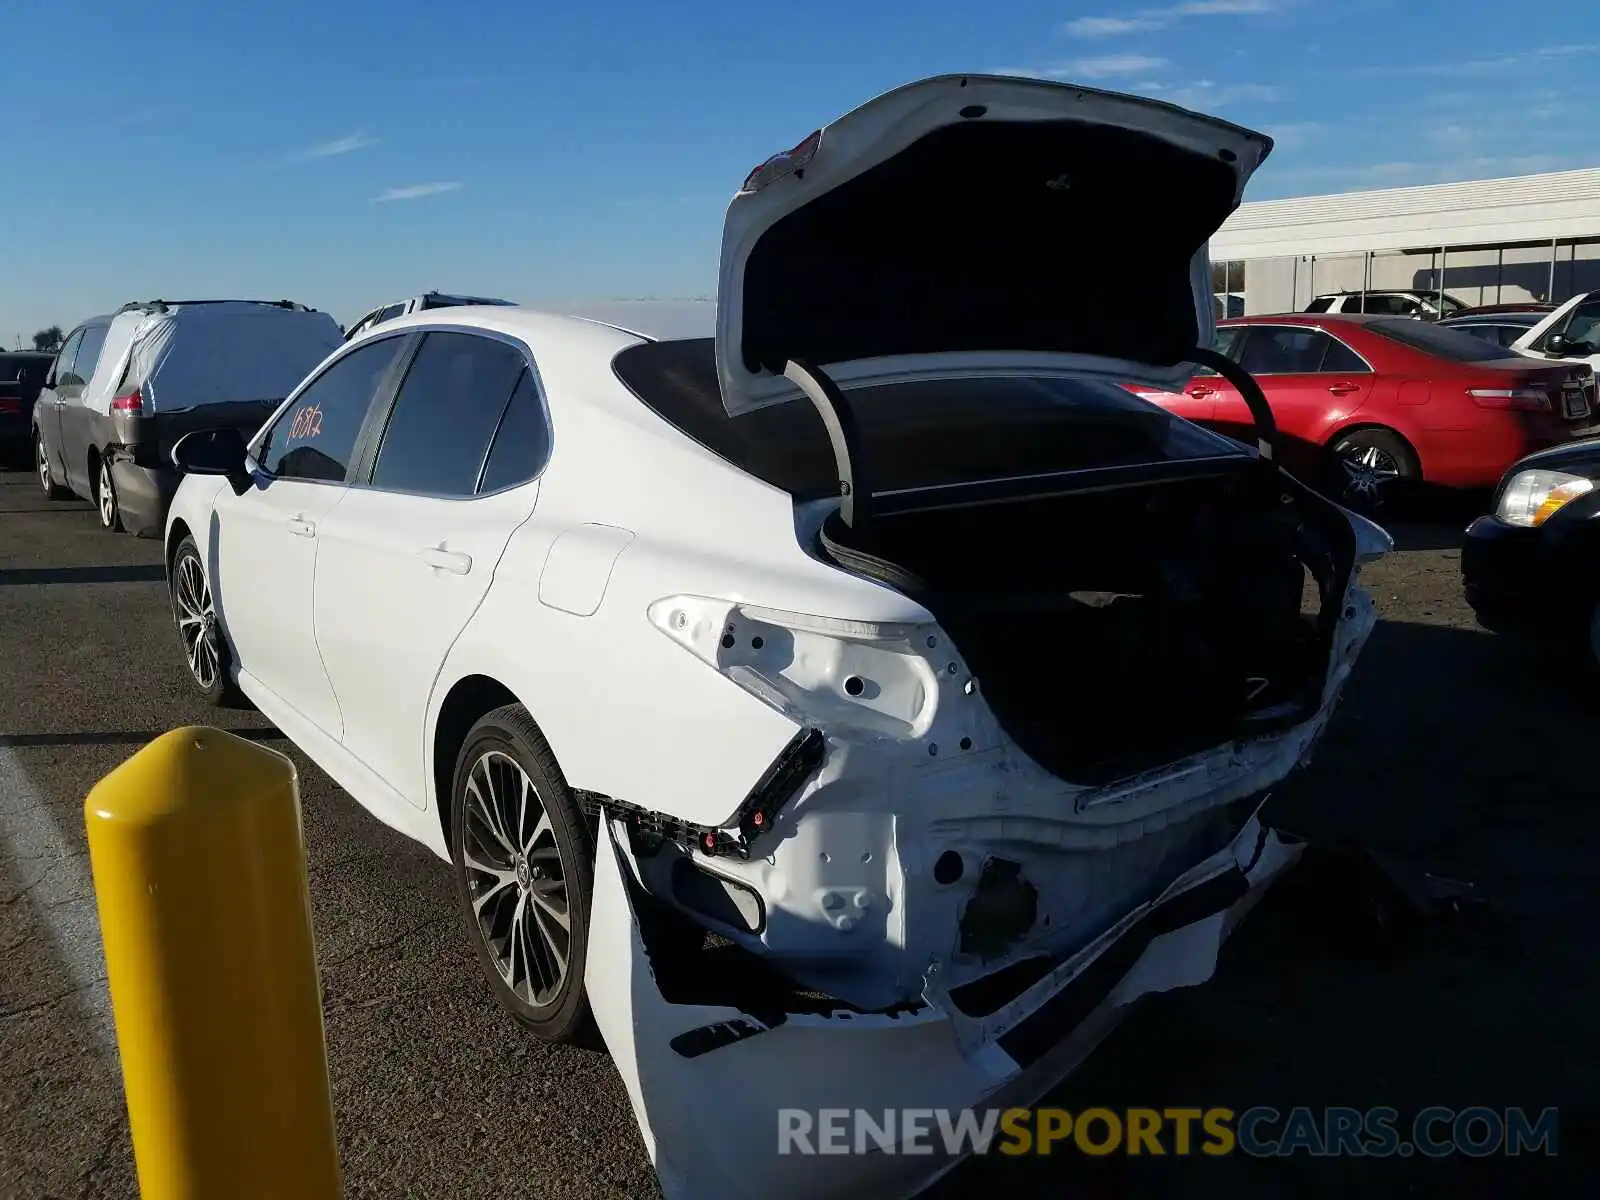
[516,879]
[107,497]
[197,622]
[1368,472]
[43,462]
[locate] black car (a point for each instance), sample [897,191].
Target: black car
[1533,564]
[22,374]
[1501,326]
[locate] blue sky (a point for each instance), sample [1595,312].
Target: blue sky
[343,154]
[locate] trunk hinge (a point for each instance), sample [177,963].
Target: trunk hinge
[844,435]
[1255,399]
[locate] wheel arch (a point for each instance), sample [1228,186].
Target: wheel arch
[468,700]
[1357,426]
[177,530]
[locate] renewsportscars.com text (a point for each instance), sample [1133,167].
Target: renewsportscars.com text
[1262,1132]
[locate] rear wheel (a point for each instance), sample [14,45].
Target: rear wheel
[105,499]
[524,861]
[1370,468]
[41,464]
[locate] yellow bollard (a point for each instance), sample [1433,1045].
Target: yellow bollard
[200,877]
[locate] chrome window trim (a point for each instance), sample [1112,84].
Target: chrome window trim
[1365,363]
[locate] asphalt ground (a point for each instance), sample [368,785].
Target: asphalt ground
[1454,751]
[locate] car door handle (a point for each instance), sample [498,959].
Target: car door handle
[301,527]
[454,561]
[1343,389]
[1199,390]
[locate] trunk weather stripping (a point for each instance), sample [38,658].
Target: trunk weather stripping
[849,449]
[843,434]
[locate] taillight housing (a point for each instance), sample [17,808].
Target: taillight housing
[128,402]
[1526,399]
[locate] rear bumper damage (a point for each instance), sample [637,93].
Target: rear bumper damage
[884,985]
[144,494]
[709,1082]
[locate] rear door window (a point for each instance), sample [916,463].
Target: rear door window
[1341,358]
[521,444]
[445,414]
[315,437]
[1284,350]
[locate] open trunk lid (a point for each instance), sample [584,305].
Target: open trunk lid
[975,222]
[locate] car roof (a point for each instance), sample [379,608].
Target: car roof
[533,323]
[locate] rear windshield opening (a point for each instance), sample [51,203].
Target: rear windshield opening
[924,434]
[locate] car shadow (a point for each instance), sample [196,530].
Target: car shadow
[1453,751]
[120,737]
[22,576]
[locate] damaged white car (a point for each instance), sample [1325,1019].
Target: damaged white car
[854,708]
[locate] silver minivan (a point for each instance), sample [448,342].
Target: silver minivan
[126,387]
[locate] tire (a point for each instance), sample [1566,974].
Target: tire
[195,616]
[105,498]
[521,872]
[41,465]
[1369,469]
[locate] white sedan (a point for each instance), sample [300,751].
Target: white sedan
[857,706]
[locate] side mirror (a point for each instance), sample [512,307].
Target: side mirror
[1555,344]
[213,452]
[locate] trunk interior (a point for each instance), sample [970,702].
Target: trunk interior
[1113,631]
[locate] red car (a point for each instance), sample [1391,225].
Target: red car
[1365,401]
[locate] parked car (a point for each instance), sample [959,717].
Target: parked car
[1532,565]
[22,374]
[1403,303]
[777,633]
[1513,306]
[1368,404]
[126,386]
[1570,333]
[1501,326]
[423,303]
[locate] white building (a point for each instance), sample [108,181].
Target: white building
[1488,241]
